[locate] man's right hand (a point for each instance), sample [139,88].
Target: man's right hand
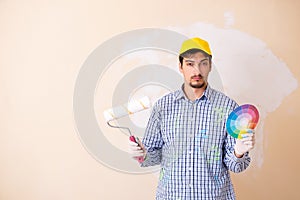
[137,150]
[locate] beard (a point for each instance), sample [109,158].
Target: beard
[197,84]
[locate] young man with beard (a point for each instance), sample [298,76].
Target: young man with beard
[186,135]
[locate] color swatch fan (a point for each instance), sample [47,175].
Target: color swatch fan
[242,118]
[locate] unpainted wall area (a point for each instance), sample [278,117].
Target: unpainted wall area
[45,43]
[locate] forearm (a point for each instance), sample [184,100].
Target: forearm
[153,157]
[237,164]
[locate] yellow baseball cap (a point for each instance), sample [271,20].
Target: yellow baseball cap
[195,43]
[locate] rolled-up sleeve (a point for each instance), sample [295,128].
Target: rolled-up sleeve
[233,163]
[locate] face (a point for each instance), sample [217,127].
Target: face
[195,70]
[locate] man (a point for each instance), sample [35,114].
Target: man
[186,135]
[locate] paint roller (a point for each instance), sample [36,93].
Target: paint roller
[132,107]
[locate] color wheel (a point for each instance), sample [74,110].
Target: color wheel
[242,118]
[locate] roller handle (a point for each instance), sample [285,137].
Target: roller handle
[136,140]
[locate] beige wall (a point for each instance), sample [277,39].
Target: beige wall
[43,45]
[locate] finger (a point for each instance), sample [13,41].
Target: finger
[133,152]
[137,154]
[249,130]
[249,147]
[133,143]
[139,142]
[247,135]
[247,139]
[136,149]
[249,143]
[137,157]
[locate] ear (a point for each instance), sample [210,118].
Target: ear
[180,67]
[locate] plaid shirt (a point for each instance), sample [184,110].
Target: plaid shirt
[189,140]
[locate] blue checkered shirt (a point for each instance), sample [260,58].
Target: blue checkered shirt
[189,141]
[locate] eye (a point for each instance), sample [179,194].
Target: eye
[205,63]
[189,64]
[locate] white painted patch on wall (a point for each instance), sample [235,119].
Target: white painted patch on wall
[250,72]
[243,67]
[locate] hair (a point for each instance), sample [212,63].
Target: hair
[190,52]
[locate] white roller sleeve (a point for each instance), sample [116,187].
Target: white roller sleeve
[127,109]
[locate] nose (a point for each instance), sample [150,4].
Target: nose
[197,69]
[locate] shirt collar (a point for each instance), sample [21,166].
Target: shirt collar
[180,93]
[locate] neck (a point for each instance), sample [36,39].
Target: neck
[193,93]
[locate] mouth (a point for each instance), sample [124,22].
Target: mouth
[196,78]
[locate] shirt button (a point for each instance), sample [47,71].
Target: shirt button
[190,169]
[190,185]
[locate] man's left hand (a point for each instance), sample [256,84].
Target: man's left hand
[245,144]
